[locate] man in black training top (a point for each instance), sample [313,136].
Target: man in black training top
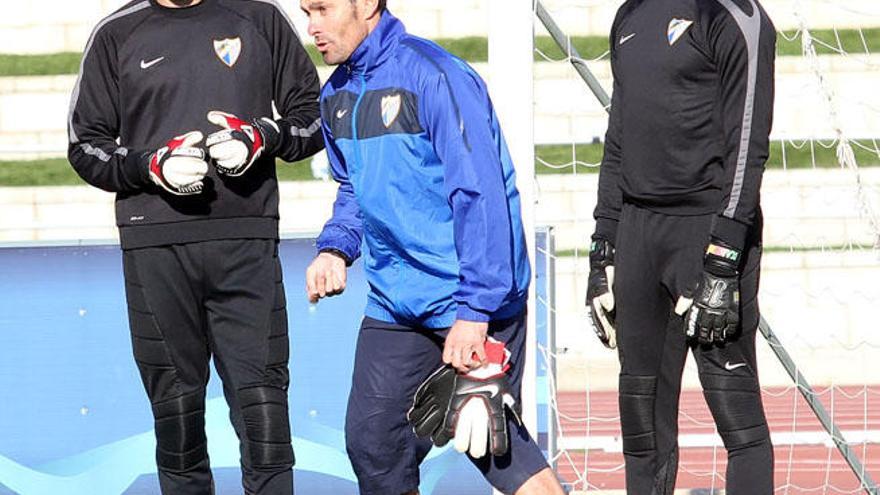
[198,219]
[677,247]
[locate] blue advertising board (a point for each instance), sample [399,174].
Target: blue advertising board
[74,418]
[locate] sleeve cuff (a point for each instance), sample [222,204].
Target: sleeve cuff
[137,165]
[606,228]
[271,133]
[468,314]
[337,252]
[731,232]
[337,243]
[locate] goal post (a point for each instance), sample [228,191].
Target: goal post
[511,84]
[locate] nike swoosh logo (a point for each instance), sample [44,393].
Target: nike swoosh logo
[147,65]
[624,39]
[731,367]
[341,113]
[491,388]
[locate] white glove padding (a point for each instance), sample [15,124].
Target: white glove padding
[179,167]
[240,143]
[683,305]
[471,430]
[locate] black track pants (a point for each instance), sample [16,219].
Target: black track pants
[222,298]
[658,257]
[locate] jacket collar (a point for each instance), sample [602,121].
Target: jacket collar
[377,46]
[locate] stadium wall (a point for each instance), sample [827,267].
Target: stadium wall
[810,276]
[34,117]
[63,25]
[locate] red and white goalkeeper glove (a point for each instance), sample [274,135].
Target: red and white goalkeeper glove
[179,167]
[470,409]
[482,421]
[240,143]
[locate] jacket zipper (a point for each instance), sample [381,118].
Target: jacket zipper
[354,129]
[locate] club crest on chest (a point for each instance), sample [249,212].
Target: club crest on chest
[390,109]
[228,50]
[676,29]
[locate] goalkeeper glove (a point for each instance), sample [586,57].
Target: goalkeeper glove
[600,293]
[179,167]
[240,143]
[470,408]
[712,317]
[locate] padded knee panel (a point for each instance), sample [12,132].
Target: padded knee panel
[264,411]
[735,402]
[180,432]
[637,395]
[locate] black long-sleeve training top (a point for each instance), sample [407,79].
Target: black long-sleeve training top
[691,112]
[150,73]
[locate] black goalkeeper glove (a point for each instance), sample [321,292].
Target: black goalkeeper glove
[600,293]
[240,143]
[470,408]
[713,318]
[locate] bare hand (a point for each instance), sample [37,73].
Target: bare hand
[325,277]
[465,339]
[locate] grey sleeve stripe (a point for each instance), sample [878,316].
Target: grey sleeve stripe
[75,96]
[751,29]
[283,13]
[101,154]
[308,131]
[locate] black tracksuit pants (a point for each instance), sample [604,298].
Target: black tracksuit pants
[223,298]
[658,257]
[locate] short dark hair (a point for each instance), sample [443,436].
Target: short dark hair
[380,7]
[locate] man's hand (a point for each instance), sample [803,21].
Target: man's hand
[464,341]
[325,277]
[179,167]
[713,316]
[236,147]
[600,292]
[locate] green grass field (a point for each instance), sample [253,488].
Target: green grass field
[475,49]
[57,172]
[788,43]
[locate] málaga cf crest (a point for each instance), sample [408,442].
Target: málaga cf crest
[676,28]
[228,50]
[390,109]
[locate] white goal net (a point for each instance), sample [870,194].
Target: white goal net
[820,279]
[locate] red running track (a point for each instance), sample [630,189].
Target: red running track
[805,463]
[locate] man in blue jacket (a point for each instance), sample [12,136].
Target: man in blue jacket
[425,179]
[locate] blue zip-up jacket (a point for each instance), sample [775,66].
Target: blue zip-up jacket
[426,180]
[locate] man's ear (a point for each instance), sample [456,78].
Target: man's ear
[371,9]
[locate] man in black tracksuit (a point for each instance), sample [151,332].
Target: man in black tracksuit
[198,223]
[677,247]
